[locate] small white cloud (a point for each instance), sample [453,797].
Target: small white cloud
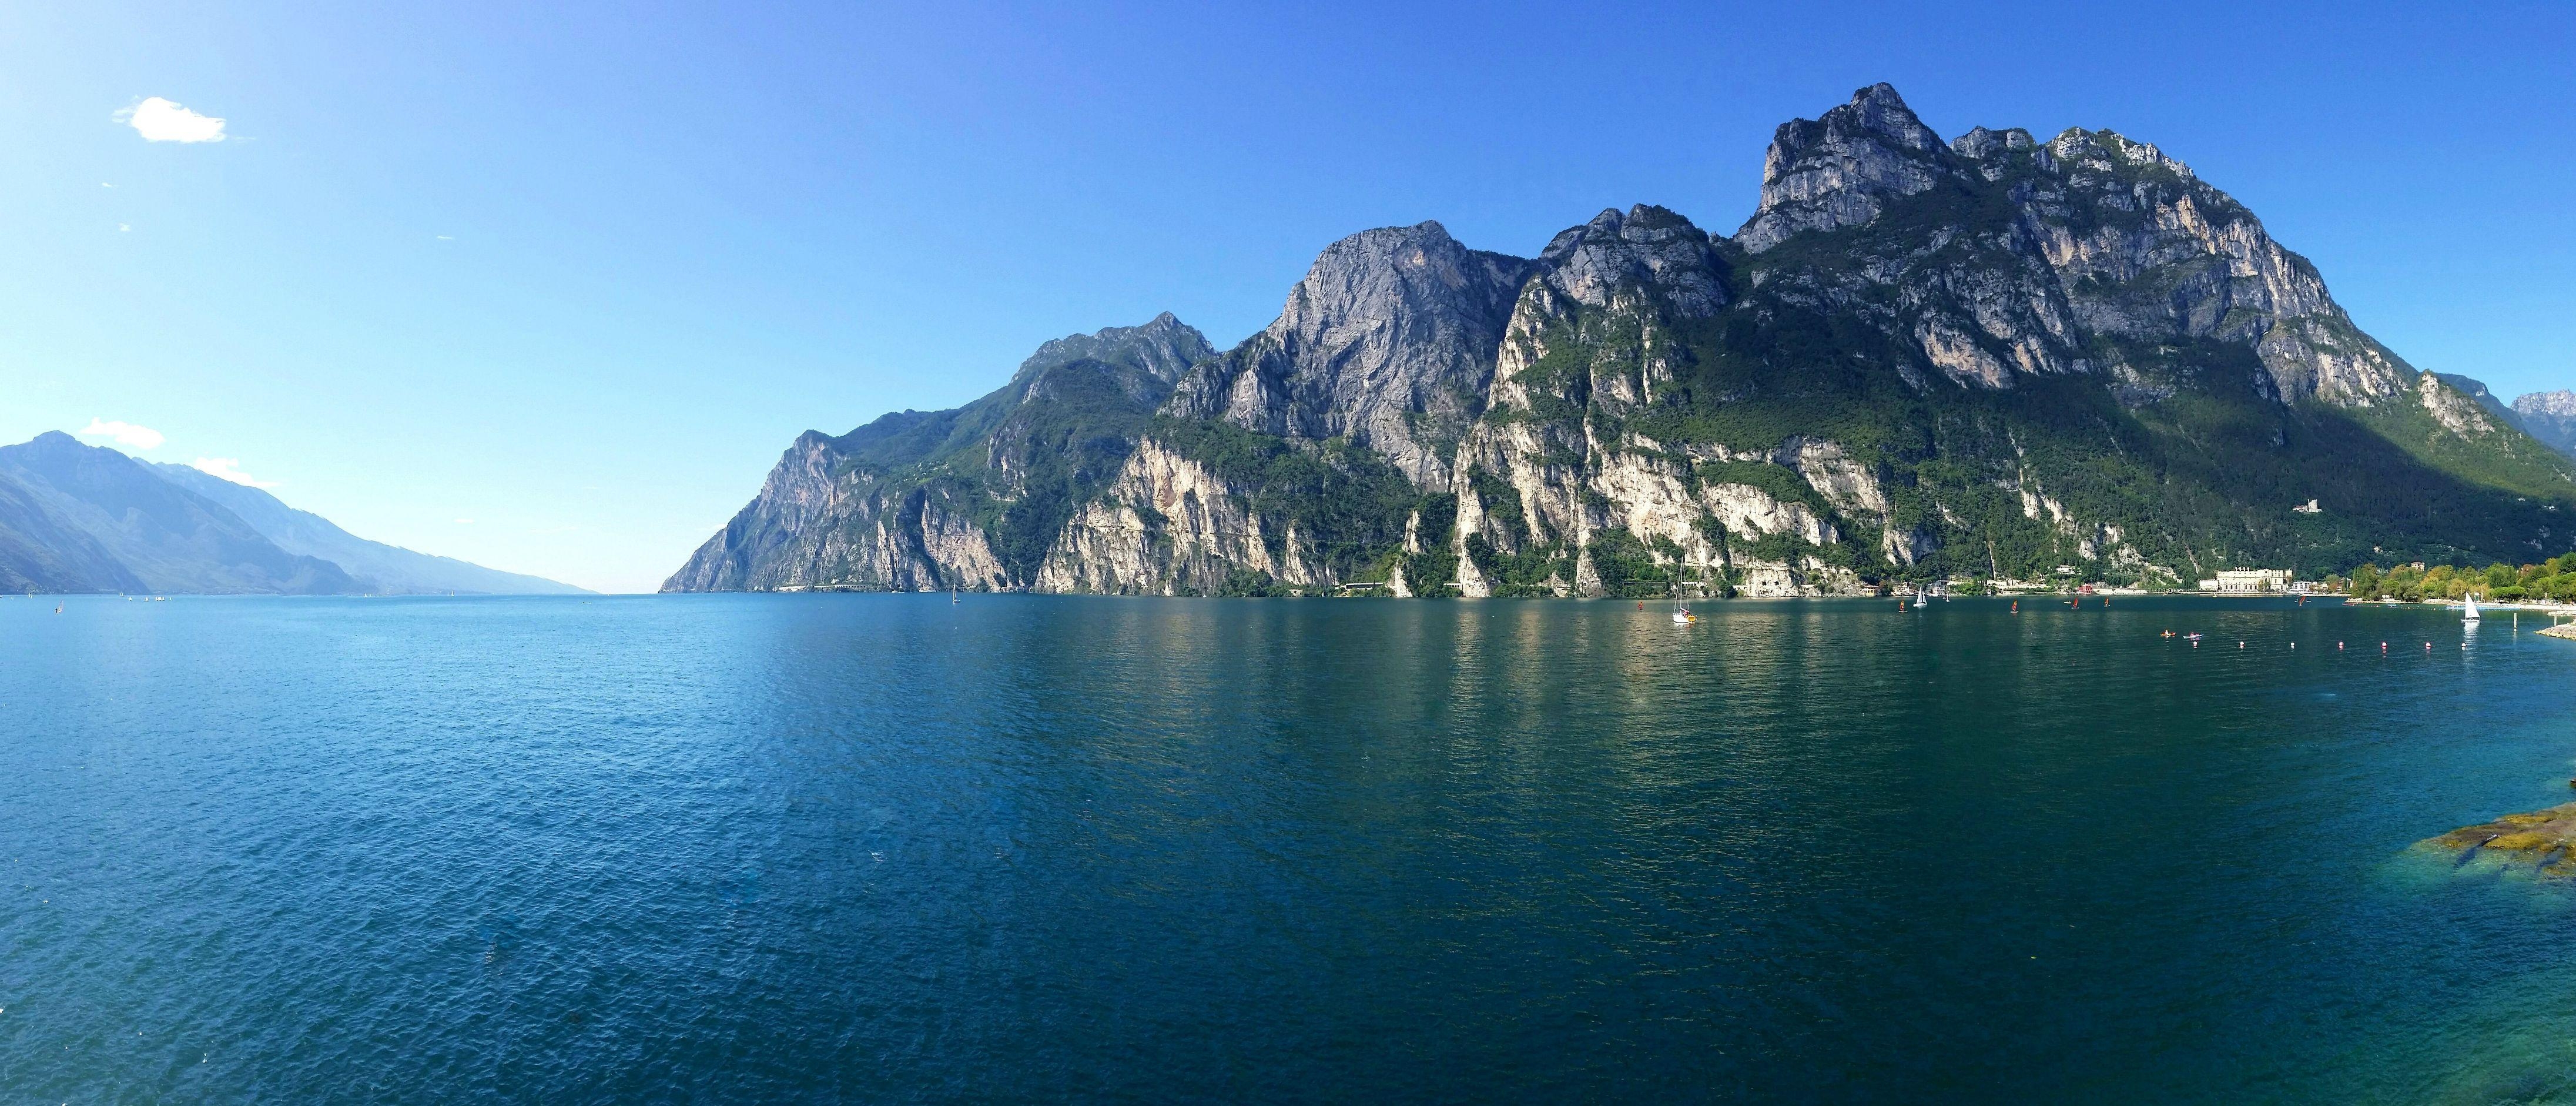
[104,184]
[159,120]
[122,228]
[227,468]
[123,433]
[445,237]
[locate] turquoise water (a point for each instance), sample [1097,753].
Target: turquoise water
[829,847]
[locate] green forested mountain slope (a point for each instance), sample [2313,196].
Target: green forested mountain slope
[971,496]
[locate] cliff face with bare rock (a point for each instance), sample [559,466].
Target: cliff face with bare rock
[1993,355]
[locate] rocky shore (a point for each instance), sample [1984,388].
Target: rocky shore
[2540,838]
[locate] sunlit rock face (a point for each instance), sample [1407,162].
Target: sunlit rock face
[1388,341]
[1916,359]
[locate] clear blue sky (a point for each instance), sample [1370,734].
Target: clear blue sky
[578,272]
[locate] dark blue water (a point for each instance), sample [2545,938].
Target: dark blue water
[820,848]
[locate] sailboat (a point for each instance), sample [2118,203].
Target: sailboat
[1681,611]
[2469,611]
[952,591]
[1918,598]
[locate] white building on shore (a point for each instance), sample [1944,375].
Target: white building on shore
[2248,581]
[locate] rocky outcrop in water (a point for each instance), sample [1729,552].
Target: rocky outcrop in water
[2540,838]
[1994,355]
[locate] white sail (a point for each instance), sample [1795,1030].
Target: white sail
[2469,613]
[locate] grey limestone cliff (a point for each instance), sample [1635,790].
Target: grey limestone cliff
[1388,341]
[1838,171]
[1992,356]
[969,498]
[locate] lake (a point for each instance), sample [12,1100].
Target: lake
[872,847]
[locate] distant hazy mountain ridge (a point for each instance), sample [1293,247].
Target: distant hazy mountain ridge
[1988,356]
[2550,417]
[387,568]
[79,518]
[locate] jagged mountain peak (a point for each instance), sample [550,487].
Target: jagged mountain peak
[1993,355]
[1641,223]
[1375,273]
[1140,362]
[2560,403]
[1879,112]
[2110,150]
[1981,143]
[2550,417]
[1388,341]
[1162,348]
[1645,247]
[1837,171]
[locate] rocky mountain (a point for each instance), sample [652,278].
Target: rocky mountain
[1388,342]
[2476,391]
[79,518]
[974,497]
[2550,417]
[1991,356]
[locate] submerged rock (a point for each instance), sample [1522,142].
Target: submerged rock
[2541,838]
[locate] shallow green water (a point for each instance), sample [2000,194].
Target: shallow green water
[825,847]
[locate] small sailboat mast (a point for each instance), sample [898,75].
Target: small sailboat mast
[1681,610]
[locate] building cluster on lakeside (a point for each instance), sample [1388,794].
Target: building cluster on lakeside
[2252,581]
